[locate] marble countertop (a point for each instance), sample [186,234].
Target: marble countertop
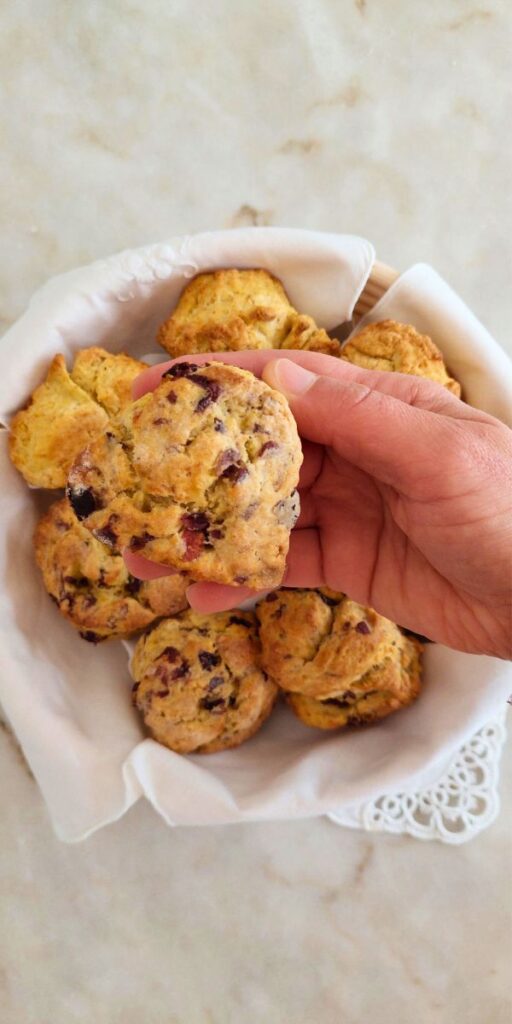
[124,123]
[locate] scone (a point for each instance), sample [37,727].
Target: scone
[107,377]
[232,310]
[198,681]
[203,480]
[321,644]
[92,587]
[388,686]
[68,411]
[392,346]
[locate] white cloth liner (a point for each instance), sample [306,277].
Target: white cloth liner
[69,704]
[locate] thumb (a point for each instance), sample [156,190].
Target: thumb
[398,443]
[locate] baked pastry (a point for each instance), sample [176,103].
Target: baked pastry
[59,421]
[232,310]
[388,686]
[107,377]
[321,644]
[203,480]
[68,411]
[92,587]
[389,345]
[198,681]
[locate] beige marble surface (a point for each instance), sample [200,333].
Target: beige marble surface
[125,122]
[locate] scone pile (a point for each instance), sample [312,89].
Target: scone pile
[208,682]
[201,475]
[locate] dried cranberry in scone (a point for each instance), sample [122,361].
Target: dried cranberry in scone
[214,694]
[201,477]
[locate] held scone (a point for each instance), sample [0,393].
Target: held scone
[233,310]
[203,480]
[198,681]
[322,646]
[92,587]
[399,348]
[68,411]
[390,685]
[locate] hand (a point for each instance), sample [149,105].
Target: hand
[406,496]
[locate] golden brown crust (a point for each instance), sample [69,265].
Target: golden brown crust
[399,348]
[58,422]
[69,411]
[107,377]
[320,643]
[92,587]
[204,477]
[233,310]
[384,689]
[198,681]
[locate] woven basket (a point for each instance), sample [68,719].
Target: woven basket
[380,279]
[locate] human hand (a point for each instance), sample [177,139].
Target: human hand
[406,498]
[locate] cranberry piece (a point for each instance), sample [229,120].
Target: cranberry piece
[234,473]
[181,370]
[194,544]
[137,543]
[92,638]
[172,397]
[76,581]
[212,389]
[181,671]
[162,693]
[83,501]
[106,536]
[268,446]
[208,659]
[363,627]
[229,457]
[170,654]
[195,522]
[216,534]
[215,705]
[236,620]
[215,681]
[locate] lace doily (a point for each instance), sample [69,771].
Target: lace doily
[462,803]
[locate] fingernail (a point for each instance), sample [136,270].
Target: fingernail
[291,378]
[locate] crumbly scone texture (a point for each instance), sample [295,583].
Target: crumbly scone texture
[68,411]
[399,348]
[233,310]
[198,681]
[204,478]
[321,644]
[92,587]
[387,687]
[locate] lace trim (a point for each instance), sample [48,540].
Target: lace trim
[461,804]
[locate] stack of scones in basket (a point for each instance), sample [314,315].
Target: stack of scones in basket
[201,475]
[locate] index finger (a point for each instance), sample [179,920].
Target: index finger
[417,391]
